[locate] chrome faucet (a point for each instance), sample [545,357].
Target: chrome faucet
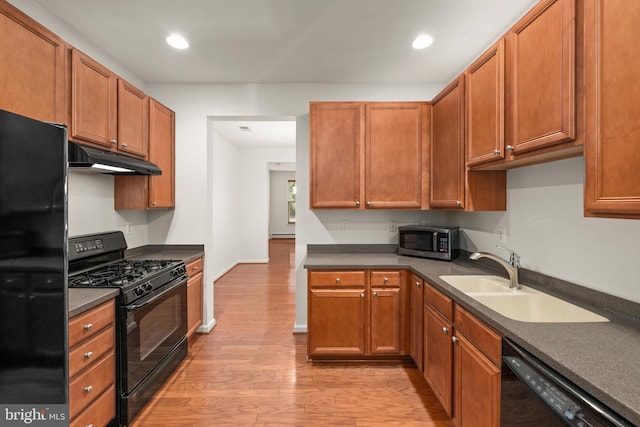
[511,266]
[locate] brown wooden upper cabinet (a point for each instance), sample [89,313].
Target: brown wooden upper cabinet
[453,185]
[33,68]
[485,107]
[107,111]
[367,155]
[612,149]
[152,192]
[541,76]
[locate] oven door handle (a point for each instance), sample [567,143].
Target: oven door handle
[165,290]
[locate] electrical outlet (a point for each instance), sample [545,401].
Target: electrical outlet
[393,226]
[128,228]
[502,235]
[345,225]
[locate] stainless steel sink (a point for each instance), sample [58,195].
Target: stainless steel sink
[525,304]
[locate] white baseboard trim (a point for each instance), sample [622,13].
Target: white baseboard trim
[254,261]
[299,329]
[206,328]
[225,271]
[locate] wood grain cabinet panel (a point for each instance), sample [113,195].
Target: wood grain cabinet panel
[438,356]
[447,147]
[133,120]
[336,149]
[485,107]
[612,149]
[350,147]
[152,192]
[194,296]
[541,73]
[94,100]
[416,323]
[33,68]
[357,314]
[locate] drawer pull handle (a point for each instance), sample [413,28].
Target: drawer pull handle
[88,355]
[337,280]
[386,280]
[195,267]
[89,425]
[88,389]
[88,326]
[445,330]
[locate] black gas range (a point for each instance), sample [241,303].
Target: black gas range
[152,313]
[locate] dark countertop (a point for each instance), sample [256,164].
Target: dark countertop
[601,358]
[83,299]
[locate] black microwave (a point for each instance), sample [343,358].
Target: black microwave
[428,241]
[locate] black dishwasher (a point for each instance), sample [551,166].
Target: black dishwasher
[533,395]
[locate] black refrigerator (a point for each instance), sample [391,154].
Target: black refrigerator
[34,384]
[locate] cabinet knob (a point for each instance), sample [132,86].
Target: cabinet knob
[454,339]
[368,204]
[88,326]
[154,203]
[445,330]
[458,203]
[375,294]
[195,268]
[337,280]
[509,147]
[386,280]
[357,203]
[361,295]
[418,284]
[496,152]
[88,354]
[114,142]
[124,145]
[88,389]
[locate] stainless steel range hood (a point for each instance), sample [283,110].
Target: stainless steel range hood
[88,159]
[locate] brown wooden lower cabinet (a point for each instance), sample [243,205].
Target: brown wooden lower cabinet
[194,296]
[416,323]
[357,314]
[92,369]
[461,362]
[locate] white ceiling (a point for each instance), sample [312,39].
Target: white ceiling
[288,41]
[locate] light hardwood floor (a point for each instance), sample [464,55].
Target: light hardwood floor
[251,370]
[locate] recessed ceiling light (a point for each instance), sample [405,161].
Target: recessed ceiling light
[177,41]
[422,41]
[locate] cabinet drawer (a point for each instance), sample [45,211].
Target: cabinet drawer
[100,412]
[484,338]
[385,278]
[194,267]
[88,386]
[85,325]
[336,278]
[90,350]
[439,301]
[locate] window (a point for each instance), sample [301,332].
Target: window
[291,198]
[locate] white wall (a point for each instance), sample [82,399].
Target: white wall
[279,203]
[546,227]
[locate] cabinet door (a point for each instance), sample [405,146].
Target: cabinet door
[612,151]
[385,321]
[336,155]
[438,356]
[162,153]
[417,323]
[194,303]
[485,107]
[447,147]
[393,155]
[33,67]
[477,387]
[541,70]
[337,322]
[94,96]
[133,120]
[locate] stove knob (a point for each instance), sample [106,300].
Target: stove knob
[138,291]
[147,287]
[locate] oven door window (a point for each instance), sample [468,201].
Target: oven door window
[153,331]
